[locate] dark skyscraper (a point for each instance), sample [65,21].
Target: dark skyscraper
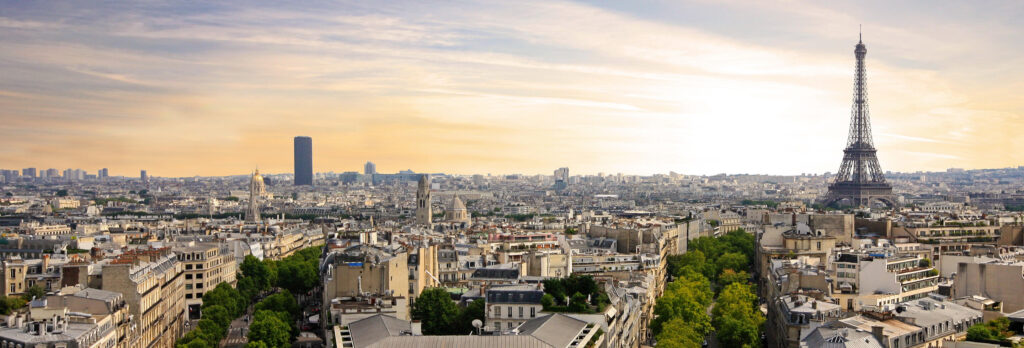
[303,161]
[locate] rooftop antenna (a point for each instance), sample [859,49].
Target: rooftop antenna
[860,32]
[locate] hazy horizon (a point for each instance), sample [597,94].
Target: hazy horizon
[699,88]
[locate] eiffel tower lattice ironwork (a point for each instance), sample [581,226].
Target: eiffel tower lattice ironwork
[860,179]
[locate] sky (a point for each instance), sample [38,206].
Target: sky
[183,88]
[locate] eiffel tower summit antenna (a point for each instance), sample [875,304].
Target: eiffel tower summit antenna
[860,180]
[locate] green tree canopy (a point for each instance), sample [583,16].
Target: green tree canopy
[677,333]
[547,301]
[226,296]
[474,310]
[212,331]
[271,331]
[733,261]
[729,276]
[436,310]
[34,291]
[258,271]
[218,314]
[280,302]
[736,318]
[687,299]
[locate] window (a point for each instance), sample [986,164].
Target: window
[199,276]
[520,311]
[199,295]
[533,312]
[510,313]
[199,285]
[510,325]
[188,295]
[188,286]
[188,276]
[497,311]
[189,266]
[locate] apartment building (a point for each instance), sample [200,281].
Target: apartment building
[509,306]
[206,265]
[880,278]
[152,282]
[19,275]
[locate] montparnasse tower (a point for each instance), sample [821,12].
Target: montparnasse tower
[257,189]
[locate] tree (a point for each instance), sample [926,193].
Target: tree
[284,317]
[556,288]
[925,263]
[981,333]
[218,314]
[686,298]
[34,292]
[729,276]
[436,310]
[302,275]
[258,271]
[736,320]
[271,331]
[62,193]
[212,331]
[198,343]
[578,304]
[733,261]
[280,302]
[11,303]
[474,310]
[547,301]
[256,344]
[247,287]
[226,296]
[677,333]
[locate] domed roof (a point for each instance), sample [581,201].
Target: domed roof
[456,204]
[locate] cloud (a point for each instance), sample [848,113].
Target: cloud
[213,89]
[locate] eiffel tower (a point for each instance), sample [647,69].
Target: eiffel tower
[860,178]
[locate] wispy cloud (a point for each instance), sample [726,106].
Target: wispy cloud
[696,87]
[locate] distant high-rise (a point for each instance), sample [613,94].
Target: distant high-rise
[860,179]
[28,172]
[52,173]
[561,178]
[303,161]
[423,214]
[144,177]
[370,168]
[104,173]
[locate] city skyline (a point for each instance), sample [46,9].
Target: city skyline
[217,89]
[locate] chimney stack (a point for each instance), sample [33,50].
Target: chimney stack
[878,332]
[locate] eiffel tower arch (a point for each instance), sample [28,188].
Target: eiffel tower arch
[860,180]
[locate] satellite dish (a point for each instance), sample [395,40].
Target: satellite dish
[477,323]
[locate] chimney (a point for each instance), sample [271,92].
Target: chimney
[877,331]
[814,304]
[46,262]
[417,328]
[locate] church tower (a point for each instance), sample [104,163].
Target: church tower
[257,189]
[423,214]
